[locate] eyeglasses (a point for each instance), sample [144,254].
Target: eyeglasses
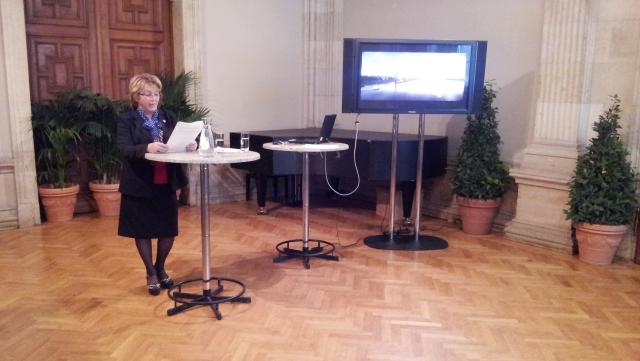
[150,95]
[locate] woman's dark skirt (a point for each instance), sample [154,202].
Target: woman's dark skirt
[155,217]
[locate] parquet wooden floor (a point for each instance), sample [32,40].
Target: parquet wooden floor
[76,291]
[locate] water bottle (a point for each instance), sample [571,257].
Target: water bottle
[205,147]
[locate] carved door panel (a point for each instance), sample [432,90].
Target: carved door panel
[60,46]
[137,38]
[95,44]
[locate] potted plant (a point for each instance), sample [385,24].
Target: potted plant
[93,118]
[480,177]
[602,196]
[56,140]
[99,115]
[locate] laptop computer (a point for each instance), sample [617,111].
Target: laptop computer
[325,132]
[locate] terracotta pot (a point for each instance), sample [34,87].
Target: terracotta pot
[59,203]
[477,214]
[598,243]
[107,198]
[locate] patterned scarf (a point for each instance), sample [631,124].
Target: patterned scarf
[153,125]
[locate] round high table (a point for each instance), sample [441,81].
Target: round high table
[212,298]
[322,249]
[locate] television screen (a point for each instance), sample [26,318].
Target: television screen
[412,76]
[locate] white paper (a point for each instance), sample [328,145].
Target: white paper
[183,134]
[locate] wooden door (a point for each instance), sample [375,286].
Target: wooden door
[95,44]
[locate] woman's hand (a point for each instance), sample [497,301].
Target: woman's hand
[157,147]
[191,147]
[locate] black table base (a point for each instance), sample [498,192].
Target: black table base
[322,249]
[406,242]
[183,301]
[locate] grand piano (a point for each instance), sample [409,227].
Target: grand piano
[373,157]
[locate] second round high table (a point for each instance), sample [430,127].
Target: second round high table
[212,298]
[323,249]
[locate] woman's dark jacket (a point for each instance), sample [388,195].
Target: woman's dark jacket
[137,172]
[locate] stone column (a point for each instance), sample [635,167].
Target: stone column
[187,39]
[19,203]
[322,59]
[187,50]
[562,110]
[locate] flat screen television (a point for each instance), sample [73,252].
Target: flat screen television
[413,76]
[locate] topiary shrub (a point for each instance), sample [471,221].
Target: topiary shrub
[480,174]
[602,190]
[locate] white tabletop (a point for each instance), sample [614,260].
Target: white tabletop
[224,156]
[307,148]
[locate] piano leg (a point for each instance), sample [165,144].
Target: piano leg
[261,190]
[297,190]
[286,188]
[408,191]
[276,184]
[247,186]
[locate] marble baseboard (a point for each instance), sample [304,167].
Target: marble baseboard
[8,219]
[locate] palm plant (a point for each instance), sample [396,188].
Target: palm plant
[174,97]
[101,114]
[75,119]
[55,153]
[56,137]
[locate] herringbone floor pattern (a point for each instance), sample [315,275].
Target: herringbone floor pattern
[76,291]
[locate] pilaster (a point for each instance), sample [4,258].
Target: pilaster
[561,108]
[20,160]
[322,59]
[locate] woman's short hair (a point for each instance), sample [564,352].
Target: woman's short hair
[138,82]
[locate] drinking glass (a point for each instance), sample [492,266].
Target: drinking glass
[244,141]
[218,141]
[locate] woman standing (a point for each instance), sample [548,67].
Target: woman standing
[149,208]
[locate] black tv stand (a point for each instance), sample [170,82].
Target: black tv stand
[391,240]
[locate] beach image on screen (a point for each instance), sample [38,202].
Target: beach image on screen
[412,76]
